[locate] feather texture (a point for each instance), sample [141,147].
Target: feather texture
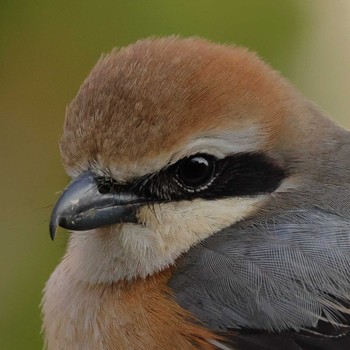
[284,271]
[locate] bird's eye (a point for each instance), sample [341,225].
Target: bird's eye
[196,171]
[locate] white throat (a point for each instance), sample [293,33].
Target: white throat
[128,251]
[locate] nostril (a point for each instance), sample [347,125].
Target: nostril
[104,185]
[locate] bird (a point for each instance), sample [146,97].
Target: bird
[209,207]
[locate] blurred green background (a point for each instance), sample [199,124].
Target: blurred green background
[46,50]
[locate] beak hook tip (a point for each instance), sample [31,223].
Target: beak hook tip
[53,229]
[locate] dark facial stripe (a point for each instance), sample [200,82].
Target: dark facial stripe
[245,174]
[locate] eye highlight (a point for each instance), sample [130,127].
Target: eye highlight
[205,176]
[196,171]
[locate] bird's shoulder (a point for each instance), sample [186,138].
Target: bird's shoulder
[279,281]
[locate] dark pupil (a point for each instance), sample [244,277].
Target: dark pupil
[195,171]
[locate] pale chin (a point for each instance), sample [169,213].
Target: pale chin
[108,255]
[130,251]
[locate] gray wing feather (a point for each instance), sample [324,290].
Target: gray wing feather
[281,271]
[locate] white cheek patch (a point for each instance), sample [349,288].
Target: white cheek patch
[183,224]
[129,251]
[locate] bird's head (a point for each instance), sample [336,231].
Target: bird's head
[170,141]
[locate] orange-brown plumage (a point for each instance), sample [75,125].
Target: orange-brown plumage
[166,91]
[139,315]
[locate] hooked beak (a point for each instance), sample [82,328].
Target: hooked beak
[83,207]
